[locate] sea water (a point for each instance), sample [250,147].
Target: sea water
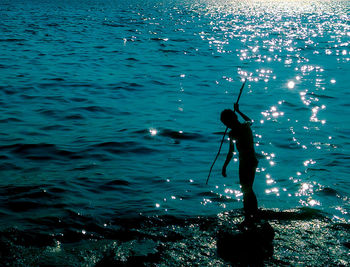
[110,109]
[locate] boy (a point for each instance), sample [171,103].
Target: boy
[242,134]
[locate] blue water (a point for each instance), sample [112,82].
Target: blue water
[110,109]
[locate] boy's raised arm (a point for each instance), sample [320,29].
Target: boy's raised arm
[245,117]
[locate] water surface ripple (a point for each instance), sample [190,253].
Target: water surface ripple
[110,109]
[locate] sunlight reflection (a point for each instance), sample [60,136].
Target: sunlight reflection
[273,190]
[291,84]
[313,117]
[306,189]
[153,132]
[270,181]
[307,162]
[206,201]
[309,202]
[313,202]
[341,209]
[272,113]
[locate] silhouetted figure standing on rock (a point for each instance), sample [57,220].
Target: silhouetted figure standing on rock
[243,137]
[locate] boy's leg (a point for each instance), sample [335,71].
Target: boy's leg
[250,202]
[246,176]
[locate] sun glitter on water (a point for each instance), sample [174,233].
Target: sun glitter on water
[153,132]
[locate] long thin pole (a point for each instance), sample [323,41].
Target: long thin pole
[240,93]
[217,155]
[223,138]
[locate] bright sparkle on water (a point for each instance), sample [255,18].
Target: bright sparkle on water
[153,132]
[284,42]
[291,84]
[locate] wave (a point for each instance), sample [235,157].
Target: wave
[180,135]
[41,151]
[12,40]
[49,152]
[123,147]
[9,120]
[128,86]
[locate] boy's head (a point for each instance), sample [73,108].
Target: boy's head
[229,118]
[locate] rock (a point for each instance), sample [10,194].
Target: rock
[133,254]
[248,246]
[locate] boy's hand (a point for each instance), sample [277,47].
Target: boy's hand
[223,172]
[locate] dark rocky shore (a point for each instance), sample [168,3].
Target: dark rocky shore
[303,237]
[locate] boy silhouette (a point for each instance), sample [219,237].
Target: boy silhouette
[243,137]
